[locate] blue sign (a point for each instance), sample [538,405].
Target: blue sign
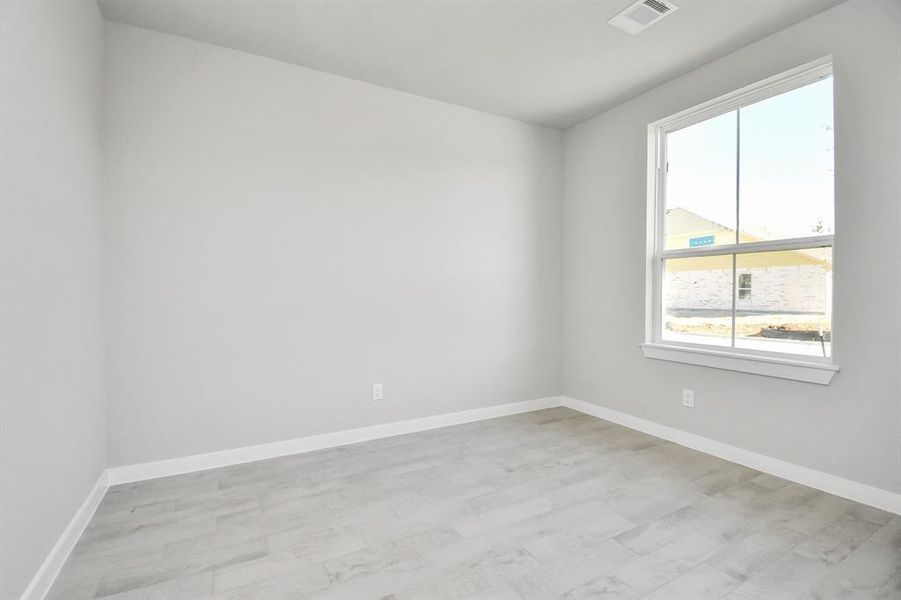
[704,240]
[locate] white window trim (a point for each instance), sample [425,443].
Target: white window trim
[773,364]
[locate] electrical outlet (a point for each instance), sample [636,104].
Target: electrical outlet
[688,398]
[378,392]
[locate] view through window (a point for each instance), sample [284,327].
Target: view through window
[746,255]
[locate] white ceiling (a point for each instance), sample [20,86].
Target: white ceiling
[549,62]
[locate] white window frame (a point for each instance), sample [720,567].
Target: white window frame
[775,364]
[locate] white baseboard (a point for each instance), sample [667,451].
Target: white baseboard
[224,458]
[45,576]
[833,484]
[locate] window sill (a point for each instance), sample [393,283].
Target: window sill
[797,370]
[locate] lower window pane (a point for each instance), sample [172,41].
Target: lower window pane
[697,300]
[783,302]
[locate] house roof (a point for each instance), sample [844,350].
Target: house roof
[682,225]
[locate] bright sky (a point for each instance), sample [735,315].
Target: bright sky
[786,165]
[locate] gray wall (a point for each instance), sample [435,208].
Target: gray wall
[850,428]
[52,379]
[281,239]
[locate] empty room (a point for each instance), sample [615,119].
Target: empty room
[450,299]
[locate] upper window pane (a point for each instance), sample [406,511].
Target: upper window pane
[700,184]
[786,175]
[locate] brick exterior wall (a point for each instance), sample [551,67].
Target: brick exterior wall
[778,289]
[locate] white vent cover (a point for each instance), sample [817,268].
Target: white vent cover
[642,15]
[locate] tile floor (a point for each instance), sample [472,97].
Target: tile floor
[548,504]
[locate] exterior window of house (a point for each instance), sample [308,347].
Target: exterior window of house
[741,194]
[744,286]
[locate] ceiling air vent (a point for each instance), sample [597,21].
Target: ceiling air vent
[642,15]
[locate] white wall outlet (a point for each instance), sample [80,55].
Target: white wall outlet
[688,398]
[378,392]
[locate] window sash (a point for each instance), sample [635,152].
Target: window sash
[655,320]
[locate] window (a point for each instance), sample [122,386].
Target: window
[741,226]
[744,286]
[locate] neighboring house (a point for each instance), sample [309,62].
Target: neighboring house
[796,281]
